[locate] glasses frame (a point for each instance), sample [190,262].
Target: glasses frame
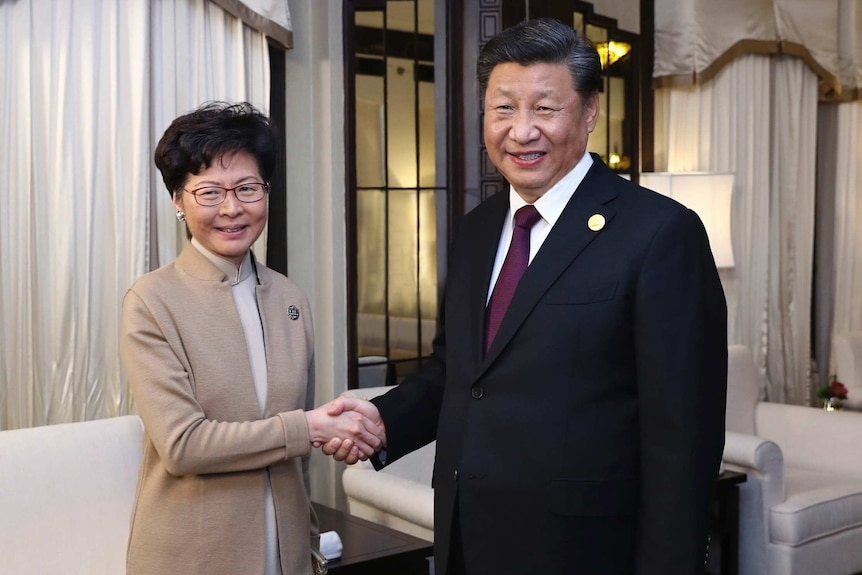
[195,192]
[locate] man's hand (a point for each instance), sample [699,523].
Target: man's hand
[345,448]
[355,431]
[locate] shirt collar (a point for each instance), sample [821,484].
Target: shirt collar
[235,274]
[553,202]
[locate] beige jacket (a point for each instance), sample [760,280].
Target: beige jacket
[200,496]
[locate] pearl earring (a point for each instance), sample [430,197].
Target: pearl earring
[181,216]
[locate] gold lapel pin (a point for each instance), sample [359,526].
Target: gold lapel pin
[596,222]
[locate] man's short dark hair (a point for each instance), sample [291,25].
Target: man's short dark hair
[543,41]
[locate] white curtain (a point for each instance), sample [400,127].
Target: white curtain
[200,53]
[840,181]
[86,89]
[791,247]
[694,39]
[848,221]
[756,119]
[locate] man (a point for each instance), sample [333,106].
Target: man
[585,435]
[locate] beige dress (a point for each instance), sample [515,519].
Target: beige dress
[200,505]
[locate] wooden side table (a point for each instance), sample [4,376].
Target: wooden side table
[373,549]
[724,525]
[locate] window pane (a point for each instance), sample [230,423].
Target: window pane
[578,22]
[371,272]
[401,123]
[428,266]
[427,143]
[396,214]
[371,247]
[400,15]
[401,93]
[403,277]
[370,137]
[373,19]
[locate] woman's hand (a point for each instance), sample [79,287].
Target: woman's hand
[344,449]
[351,428]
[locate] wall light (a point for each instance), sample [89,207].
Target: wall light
[709,195]
[611,52]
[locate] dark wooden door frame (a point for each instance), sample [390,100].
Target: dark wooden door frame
[454,154]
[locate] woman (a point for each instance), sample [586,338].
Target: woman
[218,353]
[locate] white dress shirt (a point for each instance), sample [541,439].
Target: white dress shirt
[550,206]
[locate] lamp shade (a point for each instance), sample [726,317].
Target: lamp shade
[709,195]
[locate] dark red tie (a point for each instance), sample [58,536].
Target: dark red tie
[510,274]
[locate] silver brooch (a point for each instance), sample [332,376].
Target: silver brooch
[293,312]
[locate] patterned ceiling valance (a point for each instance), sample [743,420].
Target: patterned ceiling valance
[271,17]
[695,39]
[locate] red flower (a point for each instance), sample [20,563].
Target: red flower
[837,389]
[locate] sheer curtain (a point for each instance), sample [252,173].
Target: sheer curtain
[848,222]
[794,154]
[756,119]
[841,226]
[86,89]
[200,53]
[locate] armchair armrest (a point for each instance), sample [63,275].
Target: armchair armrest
[404,498]
[763,462]
[753,452]
[758,458]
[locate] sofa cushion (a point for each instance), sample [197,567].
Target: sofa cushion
[813,438]
[66,496]
[816,505]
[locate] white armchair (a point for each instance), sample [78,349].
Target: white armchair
[801,506]
[398,496]
[66,496]
[848,365]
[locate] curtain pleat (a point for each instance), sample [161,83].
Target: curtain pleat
[757,119]
[16,234]
[74,238]
[847,221]
[723,126]
[741,145]
[794,155]
[202,54]
[86,89]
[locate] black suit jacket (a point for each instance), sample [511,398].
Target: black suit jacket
[589,438]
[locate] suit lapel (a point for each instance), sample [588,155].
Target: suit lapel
[567,239]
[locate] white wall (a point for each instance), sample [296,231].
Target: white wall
[316,257]
[626,12]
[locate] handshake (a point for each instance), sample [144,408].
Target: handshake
[347,428]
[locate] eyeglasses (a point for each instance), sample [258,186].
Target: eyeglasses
[247,193]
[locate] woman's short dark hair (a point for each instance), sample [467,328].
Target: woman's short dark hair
[195,140]
[543,41]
